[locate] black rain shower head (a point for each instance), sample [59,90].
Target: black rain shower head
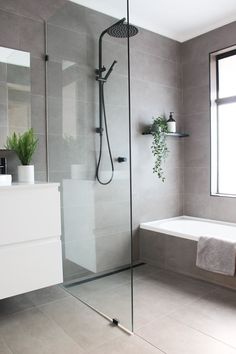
[121,30]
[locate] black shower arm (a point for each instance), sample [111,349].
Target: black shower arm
[100,42]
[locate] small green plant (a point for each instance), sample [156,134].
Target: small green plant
[159,145]
[24,145]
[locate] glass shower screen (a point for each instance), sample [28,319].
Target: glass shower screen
[89,153]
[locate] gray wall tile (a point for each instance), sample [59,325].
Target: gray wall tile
[31,35]
[195,58]
[9,30]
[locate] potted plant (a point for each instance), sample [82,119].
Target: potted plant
[24,146]
[159,147]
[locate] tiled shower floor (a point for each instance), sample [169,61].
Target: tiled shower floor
[173,314]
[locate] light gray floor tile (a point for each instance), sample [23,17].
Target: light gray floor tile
[46,295]
[127,345]
[14,304]
[89,289]
[31,332]
[214,315]
[114,302]
[161,295]
[82,324]
[173,337]
[4,348]
[145,271]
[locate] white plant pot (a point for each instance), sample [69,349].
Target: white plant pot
[26,174]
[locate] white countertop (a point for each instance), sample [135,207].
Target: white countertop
[29,186]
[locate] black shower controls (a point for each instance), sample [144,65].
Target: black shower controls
[121,159]
[3,165]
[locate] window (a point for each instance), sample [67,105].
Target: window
[223,123]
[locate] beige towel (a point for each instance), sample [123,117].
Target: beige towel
[216,255]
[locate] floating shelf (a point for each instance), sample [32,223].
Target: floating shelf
[177,134]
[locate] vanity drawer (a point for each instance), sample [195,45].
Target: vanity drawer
[30,266]
[29,213]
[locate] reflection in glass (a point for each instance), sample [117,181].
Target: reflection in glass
[96,219]
[15,92]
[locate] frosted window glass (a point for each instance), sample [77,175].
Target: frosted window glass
[227,148]
[227,77]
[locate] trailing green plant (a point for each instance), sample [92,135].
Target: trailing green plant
[159,145]
[24,145]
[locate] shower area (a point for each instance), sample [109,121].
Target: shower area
[88,152]
[142,279]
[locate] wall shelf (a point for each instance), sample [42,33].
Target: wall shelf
[177,134]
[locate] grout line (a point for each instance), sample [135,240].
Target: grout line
[15,13]
[154,346]
[205,334]
[2,338]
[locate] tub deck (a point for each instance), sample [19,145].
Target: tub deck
[171,244]
[192,228]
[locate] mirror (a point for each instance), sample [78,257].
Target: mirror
[15,93]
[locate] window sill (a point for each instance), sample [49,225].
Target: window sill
[223,195]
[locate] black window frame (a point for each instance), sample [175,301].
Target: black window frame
[215,103]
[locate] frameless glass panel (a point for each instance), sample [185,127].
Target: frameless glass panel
[88,135]
[227,148]
[227,76]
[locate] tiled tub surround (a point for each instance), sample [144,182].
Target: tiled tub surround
[171,244]
[156,89]
[196,108]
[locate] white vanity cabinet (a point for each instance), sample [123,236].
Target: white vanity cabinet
[30,243]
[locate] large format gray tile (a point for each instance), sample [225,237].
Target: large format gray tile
[38,9]
[67,45]
[155,69]
[195,74]
[10,5]
[83,325]
[46,295]
[37,76]
[198,126]
[115,302]
[213,315]
[39,158]
[9,30]
[196,204]
[31,332]
[155,45]
[14,304]
[197,180]
[4,349]
[127,345]
[38,114]
[70,16]
[173,337]
[32,36]
[196,99]
[197,153]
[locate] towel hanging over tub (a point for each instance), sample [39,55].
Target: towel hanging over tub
[216,255]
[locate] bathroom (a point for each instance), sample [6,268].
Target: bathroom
[100,249]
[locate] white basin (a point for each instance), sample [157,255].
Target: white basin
[5,180]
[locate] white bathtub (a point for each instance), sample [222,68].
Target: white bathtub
[192,228]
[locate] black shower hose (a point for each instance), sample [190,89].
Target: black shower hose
[108,144]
